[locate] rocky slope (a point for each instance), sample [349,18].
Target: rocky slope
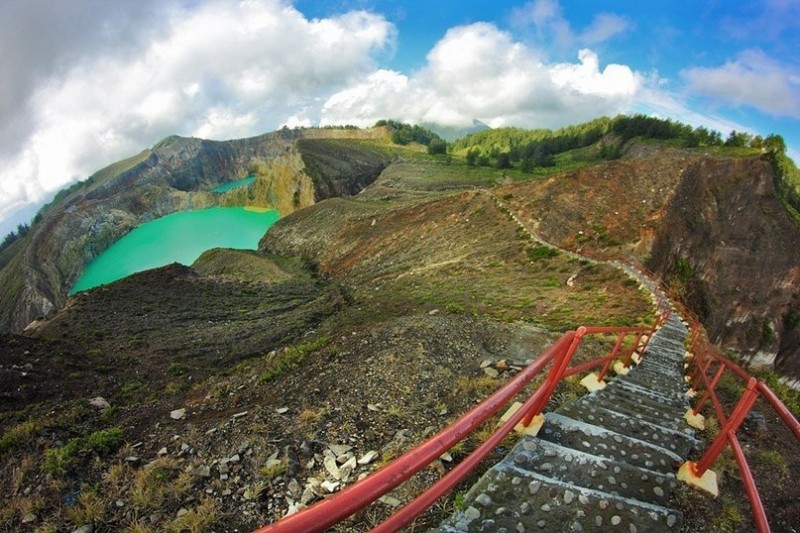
[711,226]
[177,174]
[727,243]
[233,388]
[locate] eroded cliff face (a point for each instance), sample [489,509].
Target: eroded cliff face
[176,175]
[726,242]
[712,227]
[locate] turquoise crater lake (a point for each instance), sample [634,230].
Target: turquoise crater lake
[225,187]
[180,237]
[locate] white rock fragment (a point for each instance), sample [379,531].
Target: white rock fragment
[346,469]
[339,449]
[178,414]
[332,467]
[99,402]
[491,372]
[368,457]
[330,486]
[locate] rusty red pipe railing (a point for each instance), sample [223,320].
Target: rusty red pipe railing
[782,411]
[554,377]
[710,388]
[705,355]
[354,498]
[759,514]
[422,502]
[729,428]
[336,508]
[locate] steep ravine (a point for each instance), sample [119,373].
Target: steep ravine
[713,227]
[727,243]
[177,175]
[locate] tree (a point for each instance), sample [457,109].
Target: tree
[472,157]
[503,160]
[526,165]
[738,139]
[775,143]
[437,146]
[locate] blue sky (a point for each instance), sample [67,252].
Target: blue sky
[88,82]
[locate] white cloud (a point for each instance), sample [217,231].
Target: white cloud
[478,71]
[753,79]
[603,27]
[552,27]
[215,70]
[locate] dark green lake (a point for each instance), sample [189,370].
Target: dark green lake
[180,237]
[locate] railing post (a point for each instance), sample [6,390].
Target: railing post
[731,426]
[710,389]
[611,357]
[632,351]
[554,376]
[703,375]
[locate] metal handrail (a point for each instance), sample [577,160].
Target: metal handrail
[706,354]
[339,506]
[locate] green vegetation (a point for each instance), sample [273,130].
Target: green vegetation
[291,357]
[18,436]
[103,443]
[8,240]
[683,270]
[791,319]
[786,177]
[775,460]
[406,133]
[541,253]
[789,396]
[177,369]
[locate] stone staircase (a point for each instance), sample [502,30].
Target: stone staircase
[605,462]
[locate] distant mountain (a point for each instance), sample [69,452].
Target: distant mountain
[450,133]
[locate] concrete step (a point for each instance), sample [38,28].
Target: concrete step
[605,462]
[509,499]
[599,441]
[589,471]
[680,442]
[642,404]
[640,411]
[639,388]
[633,388]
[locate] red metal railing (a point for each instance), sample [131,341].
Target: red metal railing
[707,357]
[358,496]
[708,360]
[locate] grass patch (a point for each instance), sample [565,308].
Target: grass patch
[541,253]
[177,369]
[774,459]
[18,436]
[103,443]
[291,357]
[789,396]
[201,518]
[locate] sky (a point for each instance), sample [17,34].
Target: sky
[88,82]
